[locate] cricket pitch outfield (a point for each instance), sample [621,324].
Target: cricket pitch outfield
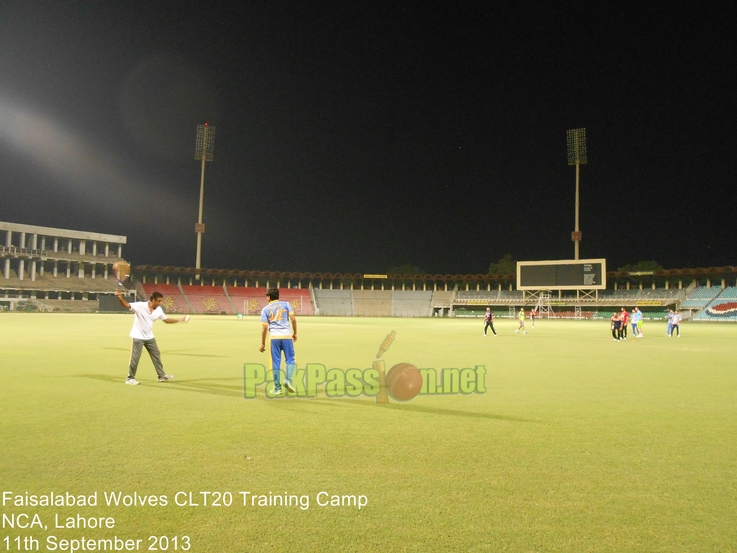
[576,443]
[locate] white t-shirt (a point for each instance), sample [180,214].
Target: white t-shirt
[144,320]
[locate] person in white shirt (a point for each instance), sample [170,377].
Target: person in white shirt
[676,324]
[146,313]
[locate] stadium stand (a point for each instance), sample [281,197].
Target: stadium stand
[43,268]
[227,300]
[251,300]
[657,296]
[208,299]
[719,310]
[409,303]
[442,298]
[49,283]
[488,297]
[173,302]
[729,293]
[372,303]
[335,303]
[701,297]
[442,302]
[71,306]
[248,300]
[299,298]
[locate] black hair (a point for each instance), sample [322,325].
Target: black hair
[273,293]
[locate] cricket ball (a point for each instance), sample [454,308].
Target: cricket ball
[403,381]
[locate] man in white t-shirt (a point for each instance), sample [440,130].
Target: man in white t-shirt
[146,313]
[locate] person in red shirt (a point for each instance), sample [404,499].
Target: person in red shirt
[625,319]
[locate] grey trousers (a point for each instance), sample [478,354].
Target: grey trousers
[153,351]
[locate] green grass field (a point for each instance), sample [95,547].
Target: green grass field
[579,444]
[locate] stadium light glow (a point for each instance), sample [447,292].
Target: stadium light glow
[87,172]
[576,156]
[204,150]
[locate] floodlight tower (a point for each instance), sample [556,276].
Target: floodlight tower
[204,149]
[577,157]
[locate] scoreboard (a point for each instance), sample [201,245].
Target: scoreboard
[566,274]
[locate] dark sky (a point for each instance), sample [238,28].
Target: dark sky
[359,136]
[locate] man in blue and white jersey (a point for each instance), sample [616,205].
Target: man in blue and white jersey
[278,319]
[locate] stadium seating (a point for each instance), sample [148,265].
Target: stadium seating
[409,303]
[336,303]
[701,297]
[251,300]
[372,303]
[208,299]
[719,310]
[173,302]
[729,293]
[299,298]
[247,300]
[61,283]
[442,298]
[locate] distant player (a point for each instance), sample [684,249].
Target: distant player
[275,319]
[625,317]
[489,321]
[669,318]
[533,316]
[637,322]
[633,322]
[676,324]
[146,313]
[521,321]
[616,326]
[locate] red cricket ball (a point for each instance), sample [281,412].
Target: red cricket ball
[403,381]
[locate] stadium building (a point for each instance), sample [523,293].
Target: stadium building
[49,269]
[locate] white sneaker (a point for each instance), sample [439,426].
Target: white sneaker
[166,377]
[289,387]
[132,382]
[276,393]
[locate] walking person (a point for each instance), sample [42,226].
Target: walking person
[616,326]
[676,324]
[640,320]
[489,321]
[275,320]
[521,321]
[636,319]
[146,314]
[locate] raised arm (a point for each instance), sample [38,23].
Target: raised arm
[121,299]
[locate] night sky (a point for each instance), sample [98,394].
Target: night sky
[354,137]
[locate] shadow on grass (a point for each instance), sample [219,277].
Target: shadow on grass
[424,409]
[203,386]
[215,386]
[178,352]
